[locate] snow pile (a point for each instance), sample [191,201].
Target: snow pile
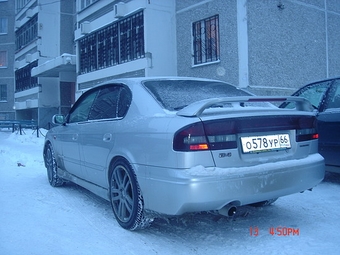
[20,148]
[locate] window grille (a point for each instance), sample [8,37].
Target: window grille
[206,45]
[108,46]
[120,42]
[27,33]
[23,78]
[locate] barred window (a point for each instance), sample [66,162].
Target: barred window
[206,40]
[120,42]
[88,53]
[108,46]
[23,78]
[131,38]
[27,33]
[3,92]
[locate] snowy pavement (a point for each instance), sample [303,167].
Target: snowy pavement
[38,219]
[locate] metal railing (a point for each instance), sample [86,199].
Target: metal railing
[20,125]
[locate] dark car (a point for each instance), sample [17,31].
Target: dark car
[324,96]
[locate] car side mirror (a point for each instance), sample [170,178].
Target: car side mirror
[58,119]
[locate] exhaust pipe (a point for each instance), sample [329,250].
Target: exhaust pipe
[228,210]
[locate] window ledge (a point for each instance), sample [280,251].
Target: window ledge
[206,63]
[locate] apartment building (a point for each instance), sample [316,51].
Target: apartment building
[7,48]
[62,48]
[127,38]
[268,47]
[45,62]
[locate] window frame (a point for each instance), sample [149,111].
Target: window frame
[83,4]
[3,26]
[73,116]
[206,41]
[120,42]
[23,78]
[96,93]
[333,96]
[3,93]
[27,33]
[3,59]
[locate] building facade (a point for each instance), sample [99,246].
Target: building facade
[44,59]
[269,47]
[62,48]
[127,38]
[7,48]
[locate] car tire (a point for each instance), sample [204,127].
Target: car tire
[52,167]
[264,203]
[126,198]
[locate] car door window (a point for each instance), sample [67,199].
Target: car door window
[105,105]
[314,93]
[80,111]
[112,101]
[334,96]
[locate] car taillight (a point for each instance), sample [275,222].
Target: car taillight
[222,133]
[306,129]
[207,136]
[191,138]
[306,134]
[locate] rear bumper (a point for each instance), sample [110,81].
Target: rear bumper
[174,191]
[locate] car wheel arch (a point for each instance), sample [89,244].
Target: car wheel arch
[110,166]
[112,163]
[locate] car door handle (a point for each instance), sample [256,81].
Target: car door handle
[107,137]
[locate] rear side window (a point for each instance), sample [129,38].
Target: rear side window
[176,94]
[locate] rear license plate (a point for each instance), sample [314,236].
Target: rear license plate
[265,143]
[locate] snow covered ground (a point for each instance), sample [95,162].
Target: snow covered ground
[38,219]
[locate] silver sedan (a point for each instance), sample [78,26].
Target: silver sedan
[171,145]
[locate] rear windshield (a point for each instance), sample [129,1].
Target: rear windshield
[174,95]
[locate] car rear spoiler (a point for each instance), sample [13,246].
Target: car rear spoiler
[196,109]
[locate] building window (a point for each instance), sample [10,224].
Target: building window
[120,42]
[88,53]
[206,40]
[108,46]
[21,4]
[27,33]
[131,38]
[3,92]
[3,26]
[23,78]
[86,3]
[3,59]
